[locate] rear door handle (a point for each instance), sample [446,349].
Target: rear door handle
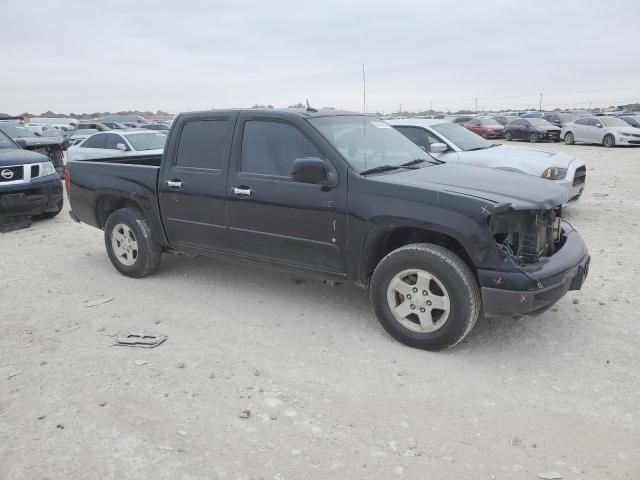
[243,192]
[175,184]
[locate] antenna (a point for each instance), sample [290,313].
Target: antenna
[364,91]
[309,109]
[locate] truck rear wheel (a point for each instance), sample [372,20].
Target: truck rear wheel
[425,296]
[130,243]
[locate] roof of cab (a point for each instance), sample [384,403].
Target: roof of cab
[300,112]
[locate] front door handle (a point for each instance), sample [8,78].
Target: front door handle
[242,191]
[174,184]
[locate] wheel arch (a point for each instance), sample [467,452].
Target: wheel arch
[385,239]
[108,202]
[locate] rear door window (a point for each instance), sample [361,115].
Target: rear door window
[203,144]
[96,141]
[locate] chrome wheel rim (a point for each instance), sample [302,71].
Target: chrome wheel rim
[568,138]
[124,244]
[607,141]
[418,301]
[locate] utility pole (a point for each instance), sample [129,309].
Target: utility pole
[541,102]
[431,105]
[400,111]
[476,104]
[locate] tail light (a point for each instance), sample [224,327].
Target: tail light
[67,183]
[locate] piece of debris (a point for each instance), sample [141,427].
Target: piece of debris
[103,403]
[182,433]
[97,301]
[245,414]
[140,339]
[273,416]
[165,447]
[256,372]
[42,417]
[11,375]
[576,301]
[402,373]
[140,362]
[181,365]
[60,426]
[550,476]
[157,322]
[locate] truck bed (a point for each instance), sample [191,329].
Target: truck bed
[104,179]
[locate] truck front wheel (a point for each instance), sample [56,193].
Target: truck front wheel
[130,243]
[425,296]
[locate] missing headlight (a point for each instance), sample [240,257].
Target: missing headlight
[527,235]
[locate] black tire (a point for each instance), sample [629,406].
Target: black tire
[609,141]
[149,252]
[46,215]
[569,139]
[508,137]
[533,137]
[458,280]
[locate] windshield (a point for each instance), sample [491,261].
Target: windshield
[489,122]
[539,122]
[18,132]
[461,137]
[147,141]
[613,122]
[368,142]
[6,142]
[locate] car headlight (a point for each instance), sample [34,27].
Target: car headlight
[554,173]
[46,168]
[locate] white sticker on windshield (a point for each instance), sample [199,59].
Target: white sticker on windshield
[380,124]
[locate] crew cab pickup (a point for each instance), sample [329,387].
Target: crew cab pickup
[344,197]
[29,183]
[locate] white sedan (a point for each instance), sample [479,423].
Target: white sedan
[450,142]
[607,131]
[112,144]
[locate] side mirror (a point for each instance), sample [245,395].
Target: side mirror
[312,170]
[438,147]
[121,146]
[599,125]
[22,142]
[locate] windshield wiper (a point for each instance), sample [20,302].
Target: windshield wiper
[433,161]
[482,148]
[387,168]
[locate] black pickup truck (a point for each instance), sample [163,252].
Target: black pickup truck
[29,184]
[344,197]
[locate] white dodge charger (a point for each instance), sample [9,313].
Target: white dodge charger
[450,142]
[118,144]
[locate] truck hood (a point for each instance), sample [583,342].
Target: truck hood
[519,191]
[533,161]
[19,156]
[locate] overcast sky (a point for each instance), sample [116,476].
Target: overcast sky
[185,55]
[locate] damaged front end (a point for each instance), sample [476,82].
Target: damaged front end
[525,236]
[542,258]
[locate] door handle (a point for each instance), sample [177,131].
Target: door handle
[176,184]
[242,191]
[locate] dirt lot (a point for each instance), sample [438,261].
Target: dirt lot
[331,395]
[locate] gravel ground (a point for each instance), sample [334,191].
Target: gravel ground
[330,394]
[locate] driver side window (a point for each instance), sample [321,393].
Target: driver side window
[421,137]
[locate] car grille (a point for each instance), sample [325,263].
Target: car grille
[580,176]
[553,134]
[11,174]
